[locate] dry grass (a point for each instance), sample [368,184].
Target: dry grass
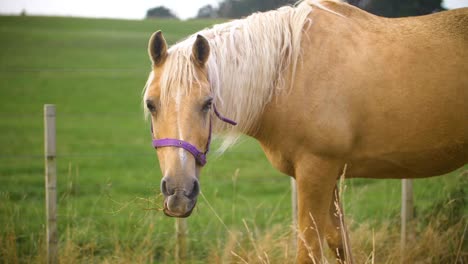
[8,247]
[437,235]
[273,246]
[431,243]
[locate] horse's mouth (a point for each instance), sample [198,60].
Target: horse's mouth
[169,213]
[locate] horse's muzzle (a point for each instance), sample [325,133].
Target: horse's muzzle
[178,201]
[179,205]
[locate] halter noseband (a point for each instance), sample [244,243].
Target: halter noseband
[200,157]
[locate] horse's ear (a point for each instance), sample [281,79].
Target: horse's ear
[200,50]
[157,48]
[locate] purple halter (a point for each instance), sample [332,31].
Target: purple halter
[199,156]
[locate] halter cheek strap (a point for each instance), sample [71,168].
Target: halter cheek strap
[200,157]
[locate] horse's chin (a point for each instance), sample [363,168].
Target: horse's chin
[167,212]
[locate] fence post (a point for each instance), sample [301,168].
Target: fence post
[406,213]
[181,240]
[50,183]
[294,209]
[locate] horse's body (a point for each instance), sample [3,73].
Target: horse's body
[387,97]
[390,96]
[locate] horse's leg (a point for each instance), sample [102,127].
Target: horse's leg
[333,229]
[315,179]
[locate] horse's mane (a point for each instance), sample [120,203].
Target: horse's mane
[250,60]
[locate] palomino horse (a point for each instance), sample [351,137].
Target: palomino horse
[319,85]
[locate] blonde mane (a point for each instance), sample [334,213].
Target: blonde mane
[250,60]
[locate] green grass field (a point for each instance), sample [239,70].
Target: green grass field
[108,176]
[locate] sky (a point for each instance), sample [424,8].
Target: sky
[127,9]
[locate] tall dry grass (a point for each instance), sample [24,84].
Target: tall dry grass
[437,235]
[433,242]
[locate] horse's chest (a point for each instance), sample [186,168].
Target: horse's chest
[279,160]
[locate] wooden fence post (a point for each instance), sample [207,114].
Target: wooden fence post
[294,209]
[181,240]
[406,213]
[50,183]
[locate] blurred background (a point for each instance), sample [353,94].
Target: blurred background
[180,9]
[89,58]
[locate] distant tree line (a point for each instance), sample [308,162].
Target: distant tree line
[399,8]
[242,8]
[387,8]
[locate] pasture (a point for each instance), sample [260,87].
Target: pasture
[108,176]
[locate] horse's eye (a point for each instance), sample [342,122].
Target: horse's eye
[150,105]
[207,105]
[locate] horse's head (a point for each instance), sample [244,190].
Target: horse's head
[181,119]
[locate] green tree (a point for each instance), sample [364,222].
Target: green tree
[160,12]
[207,11]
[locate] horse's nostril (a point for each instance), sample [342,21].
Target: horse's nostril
[165,191]
[195,190]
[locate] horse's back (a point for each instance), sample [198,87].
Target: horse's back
[401,85]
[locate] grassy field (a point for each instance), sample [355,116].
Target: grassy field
[108,175]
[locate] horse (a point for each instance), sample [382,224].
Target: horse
[320,85]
